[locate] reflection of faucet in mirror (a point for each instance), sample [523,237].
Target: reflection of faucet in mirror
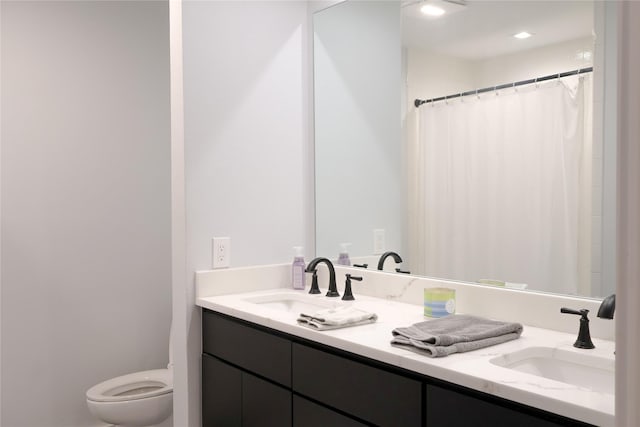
[333,290]
[607,307]
[386,255]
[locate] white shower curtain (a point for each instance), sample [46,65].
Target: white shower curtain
[500,186]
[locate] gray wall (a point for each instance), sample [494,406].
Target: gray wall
[358,138]
[248,170]
[244,128]
[85,181]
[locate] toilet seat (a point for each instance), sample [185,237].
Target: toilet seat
[136,386]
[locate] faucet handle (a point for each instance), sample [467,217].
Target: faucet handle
[348,295]
[361,265]
[583,312]
[584,337]
[399,270]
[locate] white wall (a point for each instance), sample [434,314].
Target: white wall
[533,63]
[249,174]
[431,75]
[85,202]
[244,128]
[358,138]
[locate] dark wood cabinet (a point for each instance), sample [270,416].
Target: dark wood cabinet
[249,348]
[372,394]
[448,408]
[255,376]
[222,394]
[310,414]
[264,404]
[235,398]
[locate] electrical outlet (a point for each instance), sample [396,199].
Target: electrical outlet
[378,241]
[221,252]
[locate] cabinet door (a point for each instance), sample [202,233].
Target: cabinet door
[221,394]
[309,414]
[448,408]
[264,404]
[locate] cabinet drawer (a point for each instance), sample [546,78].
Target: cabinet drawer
[309,414]
[448,408]
[375,395]
[250,348]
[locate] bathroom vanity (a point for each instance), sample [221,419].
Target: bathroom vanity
[260,368]
[252,375]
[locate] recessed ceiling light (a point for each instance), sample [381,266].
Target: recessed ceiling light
[431,10]
[522,35]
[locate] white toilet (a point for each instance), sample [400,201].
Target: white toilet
[140,399]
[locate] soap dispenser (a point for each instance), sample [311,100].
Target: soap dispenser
[297,269]
[343,256]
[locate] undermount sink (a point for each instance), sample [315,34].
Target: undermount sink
[580,369]
[292,302]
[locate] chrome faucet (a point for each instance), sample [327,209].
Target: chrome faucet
[333,289]
[607,307]
[386,255]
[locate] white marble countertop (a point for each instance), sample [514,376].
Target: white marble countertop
[473,369]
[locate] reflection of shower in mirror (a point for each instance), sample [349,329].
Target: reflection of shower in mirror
[370,161]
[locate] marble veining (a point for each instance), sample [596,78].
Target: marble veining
[402,291]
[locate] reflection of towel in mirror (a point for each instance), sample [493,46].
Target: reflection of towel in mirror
[338,317]
[454,334]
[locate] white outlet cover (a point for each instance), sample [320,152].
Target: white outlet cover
[221,252]
[378,241]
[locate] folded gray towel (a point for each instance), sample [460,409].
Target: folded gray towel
[454,334]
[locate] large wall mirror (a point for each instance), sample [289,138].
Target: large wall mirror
[505,175]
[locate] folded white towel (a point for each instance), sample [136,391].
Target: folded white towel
[338,317]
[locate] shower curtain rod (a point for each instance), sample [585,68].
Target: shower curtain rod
[419,102]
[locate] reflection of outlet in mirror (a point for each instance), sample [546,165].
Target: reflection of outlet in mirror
[221,252]
[378,241]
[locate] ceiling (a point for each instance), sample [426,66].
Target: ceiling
[484,28]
